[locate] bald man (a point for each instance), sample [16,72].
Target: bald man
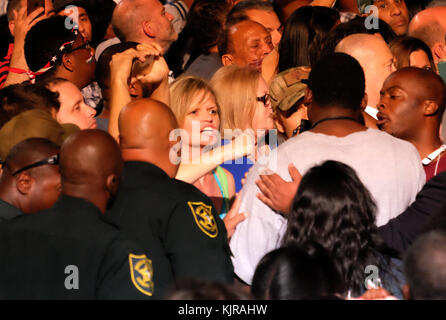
[69,251]
[411,108]
[30,180]
[244,43]
[143,21]
[173,220]
[430,26]
[376,59]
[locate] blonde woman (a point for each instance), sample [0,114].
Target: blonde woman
[198,114]
[245,105]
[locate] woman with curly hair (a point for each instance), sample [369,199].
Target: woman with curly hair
[333,208]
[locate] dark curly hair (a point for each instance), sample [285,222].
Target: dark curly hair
[333,207]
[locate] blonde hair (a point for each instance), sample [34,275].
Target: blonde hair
[183,91]
[236,92]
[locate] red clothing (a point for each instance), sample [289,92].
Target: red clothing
[4,65]
[430,168]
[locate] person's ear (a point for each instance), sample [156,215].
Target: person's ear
[227,59]
[112,183]
[406,292]
[430,108]
[279,124]
[308,98]
[54,113]
[67,62]
[133,91]
[147,29]
[439,51]
[364,102]
[11,26]
[24,183]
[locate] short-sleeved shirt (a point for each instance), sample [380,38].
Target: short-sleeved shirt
[176,223]
[389,167]
[70,252]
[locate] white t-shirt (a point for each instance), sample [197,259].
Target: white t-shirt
[389,167]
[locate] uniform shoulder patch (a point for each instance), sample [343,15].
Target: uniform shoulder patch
[141,271]
[203,218]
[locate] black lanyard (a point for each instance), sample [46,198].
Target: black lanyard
[332,118]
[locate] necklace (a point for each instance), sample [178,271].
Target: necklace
[332,118]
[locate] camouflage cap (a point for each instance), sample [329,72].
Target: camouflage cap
[287,88]
[34,123]
[362,4]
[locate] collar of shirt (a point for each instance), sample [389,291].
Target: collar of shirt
[8,211]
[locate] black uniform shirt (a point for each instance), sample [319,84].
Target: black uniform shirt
[176,223]
[70,252]
[8,211]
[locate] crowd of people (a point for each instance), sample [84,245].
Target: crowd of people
[223,149]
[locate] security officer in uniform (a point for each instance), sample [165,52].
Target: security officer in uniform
[69,251]
[30,179]
[173,220]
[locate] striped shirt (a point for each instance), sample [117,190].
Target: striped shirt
[4,65]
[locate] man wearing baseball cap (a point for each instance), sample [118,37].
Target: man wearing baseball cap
[287,100]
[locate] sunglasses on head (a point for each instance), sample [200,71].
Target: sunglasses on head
[53,160]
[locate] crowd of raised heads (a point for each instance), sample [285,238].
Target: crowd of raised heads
[223,149]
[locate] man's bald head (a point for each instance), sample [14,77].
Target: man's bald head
[143,21]
[127,15]
[375,58]
[144,129]
[430,26]
[89,156]
[411,106]
[91,167]
[425,85]
[36,188]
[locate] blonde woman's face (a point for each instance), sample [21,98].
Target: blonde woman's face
[202,121]
[263,115]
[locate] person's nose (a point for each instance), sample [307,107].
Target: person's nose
[91,112]
[381,105]
[395,9]
[266,48]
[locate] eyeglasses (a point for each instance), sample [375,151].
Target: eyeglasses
[265,99]
[51,160]
[86,45]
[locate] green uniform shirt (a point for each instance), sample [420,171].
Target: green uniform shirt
[8,211]
[176,223]
[70,252]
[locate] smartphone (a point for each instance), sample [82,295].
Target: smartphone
[442,70]
[35,4]
[138,67]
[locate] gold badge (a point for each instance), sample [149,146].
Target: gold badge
[204,218]
[142,273]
